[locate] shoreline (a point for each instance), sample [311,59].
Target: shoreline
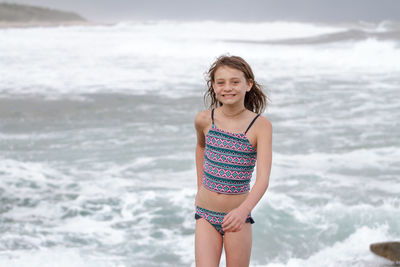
[32,24]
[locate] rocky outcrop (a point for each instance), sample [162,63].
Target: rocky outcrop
[388,250]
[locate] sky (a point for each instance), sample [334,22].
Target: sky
[232,10]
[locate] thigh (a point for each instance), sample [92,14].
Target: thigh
[238,247]
[208,244]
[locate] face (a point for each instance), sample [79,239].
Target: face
[230,85]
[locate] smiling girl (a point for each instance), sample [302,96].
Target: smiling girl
[232,136]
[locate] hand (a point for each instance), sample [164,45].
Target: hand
[234,220]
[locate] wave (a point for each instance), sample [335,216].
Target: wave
[383,31]
[347,35]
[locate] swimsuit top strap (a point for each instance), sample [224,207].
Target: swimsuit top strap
[251,123]
[212,115]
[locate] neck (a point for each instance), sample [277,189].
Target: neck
[232,111]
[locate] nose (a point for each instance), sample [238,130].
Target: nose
[228,87]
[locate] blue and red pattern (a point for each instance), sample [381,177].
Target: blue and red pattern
[229,161]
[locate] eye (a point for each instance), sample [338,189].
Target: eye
[220,82]
[236,82]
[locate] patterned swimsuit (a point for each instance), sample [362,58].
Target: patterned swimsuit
[229,160]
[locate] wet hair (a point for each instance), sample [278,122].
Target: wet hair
[254,100]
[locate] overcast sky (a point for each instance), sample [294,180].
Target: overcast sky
[240,10]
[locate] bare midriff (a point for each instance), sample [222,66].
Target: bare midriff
[217,201]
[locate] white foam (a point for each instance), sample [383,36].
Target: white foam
[353,251]
[169,58]
[90,228]
[54,257]
[324,164]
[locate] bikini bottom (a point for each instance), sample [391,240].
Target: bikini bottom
[215,218]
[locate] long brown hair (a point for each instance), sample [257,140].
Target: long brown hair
[254,100]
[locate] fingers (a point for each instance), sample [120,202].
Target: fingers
[232,228]
[232,225]
[226,221]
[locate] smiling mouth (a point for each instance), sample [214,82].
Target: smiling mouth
[228,95]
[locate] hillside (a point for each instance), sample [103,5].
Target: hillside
[24,13]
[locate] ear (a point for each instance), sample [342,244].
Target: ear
[213,85]
[250,85]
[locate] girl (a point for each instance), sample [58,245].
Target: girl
[231,137]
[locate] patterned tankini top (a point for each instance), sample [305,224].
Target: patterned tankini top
[229,160]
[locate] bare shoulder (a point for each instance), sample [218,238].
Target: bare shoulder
[202,119]
[264,126]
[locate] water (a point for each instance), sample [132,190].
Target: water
[97,141]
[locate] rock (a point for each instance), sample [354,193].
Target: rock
[388,250]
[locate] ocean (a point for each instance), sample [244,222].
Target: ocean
[97,141]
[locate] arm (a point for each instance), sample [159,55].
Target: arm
[199,122]
[264,160]
[199,164]
[235,219]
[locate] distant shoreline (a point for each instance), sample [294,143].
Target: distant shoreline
[32,24]
[27,16]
